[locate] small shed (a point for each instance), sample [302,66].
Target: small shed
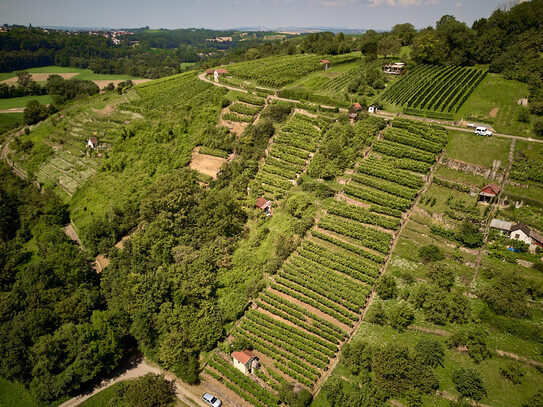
[488,192]
[264,205]
[92,143]
[325,63]
[246,361]
[219,71]
[397,68]
[501,225]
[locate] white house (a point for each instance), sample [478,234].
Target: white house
[246,361]
[521,232]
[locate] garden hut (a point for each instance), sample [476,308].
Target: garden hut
[246,361]
[501,225]
[488,192]
[325,63]
[397,68]
[264,205]
[92,143]
[219,71]
[354,110]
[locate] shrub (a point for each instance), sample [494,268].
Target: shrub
[430,253]
[150,390]
[538,127]
[401,315]
[469,383]
[513,372]
[469,235]
[523,115]
[386,287]
[430,351]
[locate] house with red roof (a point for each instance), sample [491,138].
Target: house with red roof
[246,361]
[220,71]
[264,205]
[489,192]
[326,64]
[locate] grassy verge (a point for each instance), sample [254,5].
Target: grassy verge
[477,149]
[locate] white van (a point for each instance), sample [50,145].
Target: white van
[483,131]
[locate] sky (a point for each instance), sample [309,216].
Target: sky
[220,14]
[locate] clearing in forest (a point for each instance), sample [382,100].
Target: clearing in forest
[206,164]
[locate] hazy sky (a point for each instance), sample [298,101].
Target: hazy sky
[378,14]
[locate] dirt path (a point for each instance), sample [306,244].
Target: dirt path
[519,358]
[490,216]
[72,234]
[183,391]
[13,110]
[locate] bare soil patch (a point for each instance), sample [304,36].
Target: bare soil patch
[41,77]
[234,127]
[13,110]
[206,164]
[494,112]
[120,244]
[106,110]
[101,262]
[102,83]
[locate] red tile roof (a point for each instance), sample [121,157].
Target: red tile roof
[357,106]
[244,356]
[219,71]
[324,61]
[261,202]
[492,187]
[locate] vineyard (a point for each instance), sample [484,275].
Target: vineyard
[434,91]
[279,71]
[245,109]
[289,154]
[311,306]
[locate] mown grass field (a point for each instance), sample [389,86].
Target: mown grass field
[494,101]
[478,150]
[13,103]
[85,74]
[10,120]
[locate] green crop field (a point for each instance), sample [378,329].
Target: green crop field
[434,91]
[13,103]
[10,120]
[495,101]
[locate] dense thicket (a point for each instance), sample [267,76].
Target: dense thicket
[55,334]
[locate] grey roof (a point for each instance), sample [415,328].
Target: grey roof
[522,227]
[501,224]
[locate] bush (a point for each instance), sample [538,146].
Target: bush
[538,127]
[401,315]
[34,112]
[523,115]
[386,287]
[430,253]
[469,235]
[430,351]
[150,390]
[513,372]
[469,383]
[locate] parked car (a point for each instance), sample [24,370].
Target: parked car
[483,131]
[211,400]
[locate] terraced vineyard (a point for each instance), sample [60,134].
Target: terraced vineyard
[279,71]
[290,153]
[434,91]
[300,321]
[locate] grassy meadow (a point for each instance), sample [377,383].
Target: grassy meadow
[494,102]
[478,150]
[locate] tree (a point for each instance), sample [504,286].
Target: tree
[469,383]
[386,287]
[442,276]
[427,48]
[34,112]
[506,295]
[369,43]
[388,45]
[469,235]
[430,351]
[24,78]
[513,372]
[151,390]
[404,32]
[430,253]
[401,315]
[538,127]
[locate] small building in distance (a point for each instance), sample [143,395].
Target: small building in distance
[397,68]
[264,205]
[220,71]
[325,63]
[92,143]
[354,110]
[246,361]
[489,192]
